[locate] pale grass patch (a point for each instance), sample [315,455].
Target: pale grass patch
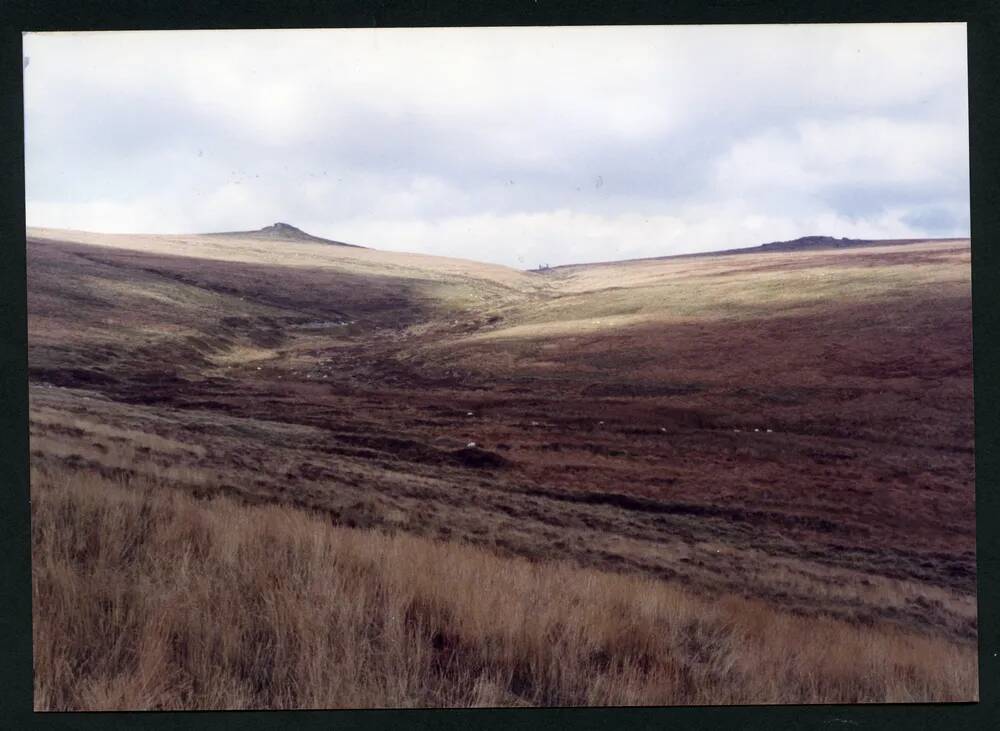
[606,298]
[240,354]
[133,437]
[123,456]
[165,293]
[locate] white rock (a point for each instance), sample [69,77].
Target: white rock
[471,444]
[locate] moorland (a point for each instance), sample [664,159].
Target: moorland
[271,470]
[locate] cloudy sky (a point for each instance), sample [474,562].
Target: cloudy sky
[519,146]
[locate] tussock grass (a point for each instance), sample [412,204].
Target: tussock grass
[106,433]
[146,598]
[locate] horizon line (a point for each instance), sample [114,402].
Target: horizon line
[323,241]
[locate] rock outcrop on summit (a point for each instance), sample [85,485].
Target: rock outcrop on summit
[283,232]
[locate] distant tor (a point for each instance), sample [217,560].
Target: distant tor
[283,232]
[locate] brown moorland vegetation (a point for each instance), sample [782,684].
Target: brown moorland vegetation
[148,598]
[789,432]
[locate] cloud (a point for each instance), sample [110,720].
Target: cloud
[517,145]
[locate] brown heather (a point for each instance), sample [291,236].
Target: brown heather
[147,598]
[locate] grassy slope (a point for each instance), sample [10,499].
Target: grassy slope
[193,604]
[249,250]
[343,383]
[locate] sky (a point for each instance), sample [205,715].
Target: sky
[519,146]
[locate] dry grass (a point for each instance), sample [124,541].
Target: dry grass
[607,298]
[238,249]
[147,598]
[152,443]
[131,439]
[851,524]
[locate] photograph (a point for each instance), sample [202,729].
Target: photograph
[540,366]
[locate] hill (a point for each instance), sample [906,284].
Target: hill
[802,244]
[813,243]
[282,232]
[306,251]
[791,429]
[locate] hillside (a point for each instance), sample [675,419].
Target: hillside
[802,244]
[793,428]
[230,620]
[812,243]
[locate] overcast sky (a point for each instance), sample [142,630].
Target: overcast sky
[517,146]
